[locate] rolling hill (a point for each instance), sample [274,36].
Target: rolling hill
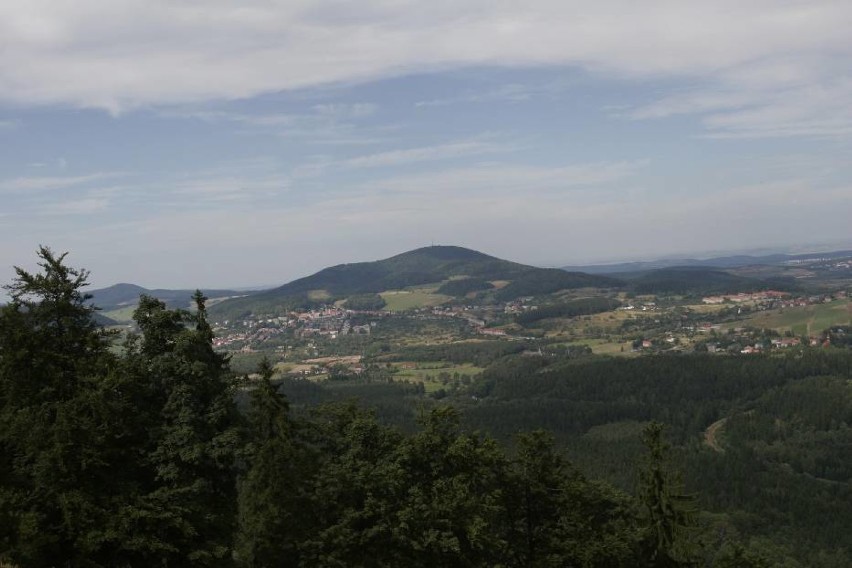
[428,265]
[722,262]
[126,295]
[699,280]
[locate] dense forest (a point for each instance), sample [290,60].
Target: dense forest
[463,286]
[775,481]
[148,450]
[701,280]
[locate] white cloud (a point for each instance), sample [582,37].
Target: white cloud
[85,206]
[346,111]
[120,54]
[512,92]
[497,180]
[425,154]
[326,124]
[808,108]
[45,183]
[232,188]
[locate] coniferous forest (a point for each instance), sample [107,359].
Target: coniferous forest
[147,450]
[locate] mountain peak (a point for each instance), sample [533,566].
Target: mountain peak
[445,252]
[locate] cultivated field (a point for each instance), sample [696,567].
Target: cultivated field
[121,315]
[401,300]
[805,320]
[430,372]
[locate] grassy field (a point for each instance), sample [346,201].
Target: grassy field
[401,300]
[429,372]
[584,325]
[805,320]
[318,295]
[604,347]
[121,315]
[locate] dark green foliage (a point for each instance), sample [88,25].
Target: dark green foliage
[559,518]
[669,512]
[464,286]
[54,420]
[687,391]
[444,497]
[581,307]
[194,442]
[786,462]
[699,280]
[451,512]
[354,490]
[369,302]
[839,336]
[479,353]
[111,460]
[270,496]
[785,468]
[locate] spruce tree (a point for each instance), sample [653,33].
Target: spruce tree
[669,511]
[191,507]
[271,496]
[559,518]
[55,437]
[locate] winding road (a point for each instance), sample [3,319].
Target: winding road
[711,435]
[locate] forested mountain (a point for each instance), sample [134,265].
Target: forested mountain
[732,261]
[428,265]
[420,266]
[454,271]
[123,295]
[698,280]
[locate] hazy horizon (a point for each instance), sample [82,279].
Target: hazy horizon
[96,283]
[171,145]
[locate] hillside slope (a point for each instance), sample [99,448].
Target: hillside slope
[428,265]
[699,280]
[125,295]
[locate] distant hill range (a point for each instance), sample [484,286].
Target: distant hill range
[452,271]
[734,261]
[429,265]
[126,295]
[700,280]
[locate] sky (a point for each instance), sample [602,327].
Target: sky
[221,143]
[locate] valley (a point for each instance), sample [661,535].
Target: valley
[592,359]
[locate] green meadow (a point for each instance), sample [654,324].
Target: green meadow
[402,300]
[804,320]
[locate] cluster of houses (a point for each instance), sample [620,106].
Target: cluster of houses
[746,297]
[519,306]
[774,299]
[645,307]
[329,321]
[255,335]
[829,264]
[775,344]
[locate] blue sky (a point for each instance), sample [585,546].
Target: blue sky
[219,143]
